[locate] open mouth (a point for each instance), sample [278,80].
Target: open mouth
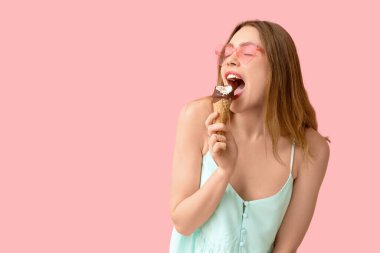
[238,86]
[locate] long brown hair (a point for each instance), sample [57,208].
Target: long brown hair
[288,109]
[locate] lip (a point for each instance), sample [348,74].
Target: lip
[236,96]
[232,72]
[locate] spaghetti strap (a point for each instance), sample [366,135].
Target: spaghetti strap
[292,158]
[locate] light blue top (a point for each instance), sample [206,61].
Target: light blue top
[237,226]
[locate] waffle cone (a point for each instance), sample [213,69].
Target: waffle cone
[223,108]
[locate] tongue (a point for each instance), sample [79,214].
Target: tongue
[239,89]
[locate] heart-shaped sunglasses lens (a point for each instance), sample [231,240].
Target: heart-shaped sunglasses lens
[245,53]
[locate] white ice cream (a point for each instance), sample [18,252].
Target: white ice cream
[224,89]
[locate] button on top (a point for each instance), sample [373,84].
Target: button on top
[244,215]
[241,244]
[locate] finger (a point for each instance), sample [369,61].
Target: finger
[211,118]
[216,138]
[212,140]
[228,133]
[217,127]
[220,138]
[219,146]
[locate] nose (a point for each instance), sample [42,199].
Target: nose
[232,60]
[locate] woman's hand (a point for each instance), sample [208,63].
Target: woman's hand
[223,149]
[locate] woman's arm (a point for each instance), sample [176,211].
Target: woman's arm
[305,193]
[191,206]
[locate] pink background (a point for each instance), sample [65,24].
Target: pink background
[89,99]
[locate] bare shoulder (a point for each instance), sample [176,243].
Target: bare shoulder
[199,107]
[193,115]
[320,154]
[318,145]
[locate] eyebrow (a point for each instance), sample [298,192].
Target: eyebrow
[244,43]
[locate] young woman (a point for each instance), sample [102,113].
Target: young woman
[253,188]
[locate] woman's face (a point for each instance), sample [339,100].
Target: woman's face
[255,73]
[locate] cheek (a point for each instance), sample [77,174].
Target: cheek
[258,75]
[257,82]
[258,68]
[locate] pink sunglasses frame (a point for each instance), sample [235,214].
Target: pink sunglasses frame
[221,47]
